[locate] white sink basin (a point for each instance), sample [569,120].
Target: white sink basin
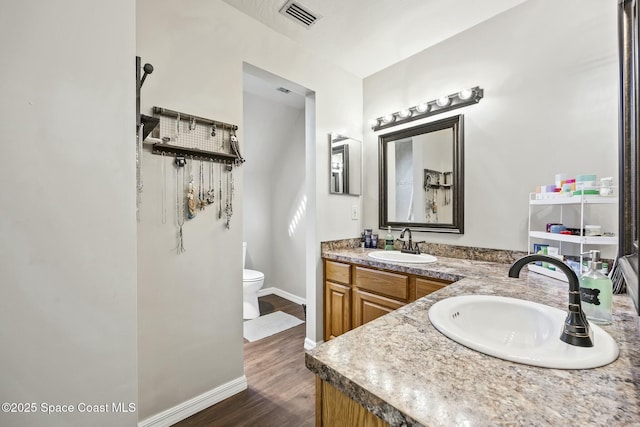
[397,256]
[518,330]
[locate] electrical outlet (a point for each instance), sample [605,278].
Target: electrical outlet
[354,212]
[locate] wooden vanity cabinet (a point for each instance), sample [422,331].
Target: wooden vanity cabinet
[377,293]
[368,307]
[355,295]
[425,286]
[334,408]
[337,299]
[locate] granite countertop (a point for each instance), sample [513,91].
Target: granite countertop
[403,370]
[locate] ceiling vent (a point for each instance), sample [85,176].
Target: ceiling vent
[299,13]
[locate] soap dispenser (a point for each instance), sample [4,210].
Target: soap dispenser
[388,240]
[596,291]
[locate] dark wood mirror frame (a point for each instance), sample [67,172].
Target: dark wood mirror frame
[456,123]
[629,147]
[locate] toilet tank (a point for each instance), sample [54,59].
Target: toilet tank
[244,253]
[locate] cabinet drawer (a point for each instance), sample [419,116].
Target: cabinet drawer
[338,272]
[382,282]
[426,286]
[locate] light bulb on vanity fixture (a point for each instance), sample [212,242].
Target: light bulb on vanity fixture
[404,113]
[425,109]
[422,108]
[465,94]
[443,101]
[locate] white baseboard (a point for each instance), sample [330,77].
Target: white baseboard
[186,409]
[284,294]
[309,344]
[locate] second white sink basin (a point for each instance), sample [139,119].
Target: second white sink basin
[397,256]
[519,331]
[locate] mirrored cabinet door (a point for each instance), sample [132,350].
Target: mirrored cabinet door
[345,165]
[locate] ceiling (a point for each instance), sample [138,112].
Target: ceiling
[366,36]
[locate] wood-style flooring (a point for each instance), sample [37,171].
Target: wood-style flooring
[281,390]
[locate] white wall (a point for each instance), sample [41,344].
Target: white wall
[266,130]
[274,179]
[190,307]
[549,71]
[68,247]
[288,207]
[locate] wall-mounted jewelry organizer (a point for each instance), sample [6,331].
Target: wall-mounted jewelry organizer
[194,141]
[433,182]
[195,137]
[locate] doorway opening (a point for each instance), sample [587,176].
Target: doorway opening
[279,188]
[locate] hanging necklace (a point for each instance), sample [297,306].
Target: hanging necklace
[229,207]
[192,202]
[139,170]
[163,167]
[180,203]
[212,192]
[220,190]
[201,193]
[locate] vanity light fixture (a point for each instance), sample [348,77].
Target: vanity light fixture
[445,103]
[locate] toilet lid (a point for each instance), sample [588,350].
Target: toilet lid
[251,275]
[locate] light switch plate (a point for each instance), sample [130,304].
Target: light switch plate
[354,212]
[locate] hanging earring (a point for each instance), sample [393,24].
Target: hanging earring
[235,146]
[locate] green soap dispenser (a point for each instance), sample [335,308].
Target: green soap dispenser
[388,240]
[596,291]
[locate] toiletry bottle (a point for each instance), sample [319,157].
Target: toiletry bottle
[388,240]
[367,237]
[596,291]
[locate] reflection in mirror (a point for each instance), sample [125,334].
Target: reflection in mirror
[345,165]
[421,177]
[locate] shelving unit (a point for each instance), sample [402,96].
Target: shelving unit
[581,240]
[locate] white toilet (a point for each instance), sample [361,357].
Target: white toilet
[252,281]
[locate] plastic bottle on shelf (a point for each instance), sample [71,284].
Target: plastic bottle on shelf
[596,291]
[388,240]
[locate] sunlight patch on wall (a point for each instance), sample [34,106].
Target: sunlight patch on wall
[298,215]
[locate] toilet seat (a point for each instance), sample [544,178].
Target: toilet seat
[252,275]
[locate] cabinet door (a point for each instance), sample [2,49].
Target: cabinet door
[426,286]
[337,310]
[368,307]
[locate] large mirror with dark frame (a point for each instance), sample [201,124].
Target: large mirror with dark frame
[629,148]
[345,168]
[421,177]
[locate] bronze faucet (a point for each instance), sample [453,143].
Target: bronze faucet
[407,247]
[576,326]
